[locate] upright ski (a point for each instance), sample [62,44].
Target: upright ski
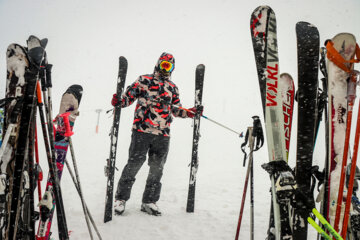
[344,45]
[199,80]
[308,59]
[21,152]
[264,38]
[110,168]
[69,103]
[287,94]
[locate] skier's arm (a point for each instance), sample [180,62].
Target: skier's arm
[175,102]
[128,97]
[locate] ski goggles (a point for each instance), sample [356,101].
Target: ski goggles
[167,66]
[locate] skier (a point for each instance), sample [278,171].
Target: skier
[158,98]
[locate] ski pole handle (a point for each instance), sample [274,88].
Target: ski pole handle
[48,68]
[65,117]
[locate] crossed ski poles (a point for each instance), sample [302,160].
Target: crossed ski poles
[76,178]
[326,224]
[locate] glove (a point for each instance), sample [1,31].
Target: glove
[194,110]
[115,101]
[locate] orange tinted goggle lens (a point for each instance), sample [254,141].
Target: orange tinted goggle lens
[167,66]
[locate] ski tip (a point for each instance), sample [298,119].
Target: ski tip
[122,61]
[44,42]
[344,35]
[286,75]
[75,90]
[200,66]
[306,25]
[262,8]
[122,58]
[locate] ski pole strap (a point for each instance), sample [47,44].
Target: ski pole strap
[243,145]
[323,62]
[257,133]
[334,56]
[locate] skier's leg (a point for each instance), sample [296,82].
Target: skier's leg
[137,156]
[158,151]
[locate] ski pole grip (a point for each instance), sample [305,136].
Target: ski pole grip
[42,78]
[68,132]
[48,75]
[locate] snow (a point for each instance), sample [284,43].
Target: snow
[86,39]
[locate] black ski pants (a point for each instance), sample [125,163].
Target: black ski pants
[157,148]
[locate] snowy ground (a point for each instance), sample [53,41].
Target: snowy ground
[85,40]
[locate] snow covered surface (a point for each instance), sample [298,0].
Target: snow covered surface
[85,40]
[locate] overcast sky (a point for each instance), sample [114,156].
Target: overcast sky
[87,37]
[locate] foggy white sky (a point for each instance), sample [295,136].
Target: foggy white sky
[87,37]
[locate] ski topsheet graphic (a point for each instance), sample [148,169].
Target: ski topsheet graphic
[287,89]
[264,38]
[345,45]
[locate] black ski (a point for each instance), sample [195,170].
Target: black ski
[110,168]
[199,80]
[308,59]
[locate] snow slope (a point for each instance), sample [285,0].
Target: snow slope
[85,40]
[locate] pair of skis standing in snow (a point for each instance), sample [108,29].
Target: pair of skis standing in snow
[28,83]
[292,192]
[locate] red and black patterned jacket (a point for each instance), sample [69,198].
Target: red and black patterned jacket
[156,97]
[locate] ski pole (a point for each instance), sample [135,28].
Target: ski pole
[326,224]
[40,177]
[211,120]
[98,111]
[351,100]
[87,209]
[250,129]
[50,153]
[352,173]
[251,145]
[68,134]
[318,229]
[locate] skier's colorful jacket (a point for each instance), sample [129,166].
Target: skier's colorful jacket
[156,97]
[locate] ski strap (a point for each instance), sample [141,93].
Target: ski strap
[334,56]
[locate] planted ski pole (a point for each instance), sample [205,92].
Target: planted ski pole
[352,171]
[86,208]
[351,99]
[256,141]
[251,193]
[40,177]
[98,111]
[251,144]
[68,134]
